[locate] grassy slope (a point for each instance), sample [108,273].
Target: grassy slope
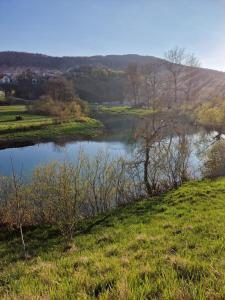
[2,96]
[169,248]
[35,127]
[8,121]
[125,110]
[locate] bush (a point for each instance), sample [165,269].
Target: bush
[47,106]
[214,164]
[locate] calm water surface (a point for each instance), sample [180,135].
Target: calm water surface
[117,143]
[25,159]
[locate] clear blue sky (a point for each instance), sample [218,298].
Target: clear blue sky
[89,27]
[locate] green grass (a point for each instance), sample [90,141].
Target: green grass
[8,121]
[125,110]
[170,247]
[40,128]
[2,96]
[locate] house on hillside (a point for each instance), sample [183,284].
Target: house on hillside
[6,79]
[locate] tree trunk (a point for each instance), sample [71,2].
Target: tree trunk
[175,90]
[146,163]
[23,243]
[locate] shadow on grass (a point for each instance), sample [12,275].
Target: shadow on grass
[43,239]
[39,240]
[140,211]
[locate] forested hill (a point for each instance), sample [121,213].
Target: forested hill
[106,79]
[11,60]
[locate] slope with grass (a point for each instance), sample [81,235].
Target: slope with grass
[35,128]
[169,247]
[125,110]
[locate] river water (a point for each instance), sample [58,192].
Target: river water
[117,142]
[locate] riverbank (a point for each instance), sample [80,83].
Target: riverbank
[17,126]
[169,247]
[123,110]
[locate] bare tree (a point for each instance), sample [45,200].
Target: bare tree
[152,84]
[18,210]
[150,135]
[175,60]
[57,194]
[191,75]
[179,63]
[134,81]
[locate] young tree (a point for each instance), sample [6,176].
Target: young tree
[57,194]
[17,211]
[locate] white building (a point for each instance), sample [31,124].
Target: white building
[5,79]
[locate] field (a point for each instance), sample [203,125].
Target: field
[125,110]
[169,247]
[40,128]
[2,96]
[8,121]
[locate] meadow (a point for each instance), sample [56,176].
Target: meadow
[125,110]
[167,247]
[17,124]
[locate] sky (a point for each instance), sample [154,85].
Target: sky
[101,27]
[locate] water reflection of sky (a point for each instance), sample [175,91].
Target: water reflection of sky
[25,159]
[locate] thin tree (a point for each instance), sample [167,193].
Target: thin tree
[18,210]
[175,60]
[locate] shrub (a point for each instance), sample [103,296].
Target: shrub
[50,107]
[214,164]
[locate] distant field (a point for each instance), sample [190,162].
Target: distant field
[125,110]
[41,128]
[8,121]
[2,96]
[170,247]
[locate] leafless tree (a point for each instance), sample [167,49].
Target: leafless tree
[192,72]
[134,82]
[57,194]
[17,210]
[175,60]
[179,63]
[152,83]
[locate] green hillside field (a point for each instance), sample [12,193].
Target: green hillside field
[168,247]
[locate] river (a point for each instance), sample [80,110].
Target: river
[117,142]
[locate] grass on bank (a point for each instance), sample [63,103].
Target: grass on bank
[2,96]
[169,247]
[8,122]
[125,110]
[32,127]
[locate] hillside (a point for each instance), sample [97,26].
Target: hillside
[171,247]
[103,78]
[12,60]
